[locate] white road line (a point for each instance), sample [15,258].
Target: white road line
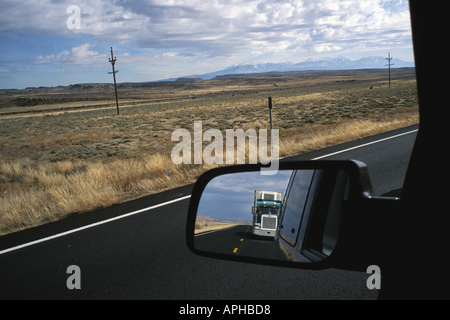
[211,231]
[206,232]
[91,225]
[365,144]
[168,202]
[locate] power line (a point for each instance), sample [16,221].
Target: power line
[113,62]
[389,58]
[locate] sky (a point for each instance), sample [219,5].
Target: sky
[42,43]
[230,196]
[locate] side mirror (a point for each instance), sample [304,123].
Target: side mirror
[310,214]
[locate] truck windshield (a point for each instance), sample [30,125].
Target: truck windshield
[268,210]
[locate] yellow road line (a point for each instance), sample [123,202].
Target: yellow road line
[235,249]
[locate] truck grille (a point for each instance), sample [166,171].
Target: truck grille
[268,222]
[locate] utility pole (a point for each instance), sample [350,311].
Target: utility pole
[389,58]
[113,61]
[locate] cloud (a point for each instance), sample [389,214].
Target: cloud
[169,54]
[248,182]
[217,28]
[324,48]
[205,35]
[80,55]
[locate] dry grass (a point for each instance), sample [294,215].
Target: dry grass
[50,191]
[201,227]
[54,166]
[320,136]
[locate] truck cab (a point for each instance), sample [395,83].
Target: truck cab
[266,211]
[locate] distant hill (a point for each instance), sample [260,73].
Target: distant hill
[339,63]
[210,219]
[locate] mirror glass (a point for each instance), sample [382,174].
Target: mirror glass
[293,215]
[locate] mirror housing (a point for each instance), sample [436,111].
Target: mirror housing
[363,228]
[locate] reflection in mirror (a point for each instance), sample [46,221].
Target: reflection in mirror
[293,215]
[236,209]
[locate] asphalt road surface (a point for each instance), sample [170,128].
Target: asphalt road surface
[143,255]
[238,240]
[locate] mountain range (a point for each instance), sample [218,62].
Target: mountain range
[339,63]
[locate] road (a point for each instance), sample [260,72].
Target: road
[144,256]
[237,240]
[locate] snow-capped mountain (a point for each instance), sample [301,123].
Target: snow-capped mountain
[258,67]
[339,63]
